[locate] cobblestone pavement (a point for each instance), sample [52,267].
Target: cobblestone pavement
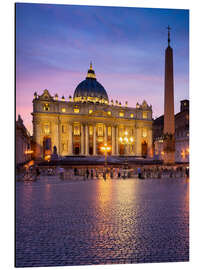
[101,222]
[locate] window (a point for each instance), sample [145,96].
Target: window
[109,113]
[46,129]
[76,130]
[144,133]
[90,111]
[76,110]
[121,114]
[100,130]
[131,115]
[46,107]
[63,110]
[144,115]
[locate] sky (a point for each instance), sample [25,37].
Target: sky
[55,44]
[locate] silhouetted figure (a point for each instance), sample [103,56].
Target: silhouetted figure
[75,171]
[37,171]
[104,175]
[87,173]
[139,173]
[187,172]
[92,174]
[111,174]
[61,173]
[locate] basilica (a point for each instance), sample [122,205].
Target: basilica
[83,124]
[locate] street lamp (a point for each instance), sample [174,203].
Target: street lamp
[105,149]
[126,140]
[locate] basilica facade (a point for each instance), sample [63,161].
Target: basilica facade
[87,121]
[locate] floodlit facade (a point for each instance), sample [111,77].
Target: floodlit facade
[181,134]
[85,122]
[23,143]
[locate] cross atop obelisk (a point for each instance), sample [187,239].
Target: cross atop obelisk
[169,28]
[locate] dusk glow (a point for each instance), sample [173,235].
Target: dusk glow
[55,44]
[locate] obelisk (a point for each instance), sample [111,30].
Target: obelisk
[169,119]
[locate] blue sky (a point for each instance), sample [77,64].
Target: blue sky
[55,44]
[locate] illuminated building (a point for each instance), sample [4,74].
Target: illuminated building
[23,143]
[82,124]
[181,134]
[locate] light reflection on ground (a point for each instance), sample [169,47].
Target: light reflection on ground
[99,222]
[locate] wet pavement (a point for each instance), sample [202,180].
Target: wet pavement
[101,222]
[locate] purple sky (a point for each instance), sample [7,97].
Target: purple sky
[55,44]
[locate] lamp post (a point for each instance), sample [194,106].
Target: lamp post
[105,149]
[126,140]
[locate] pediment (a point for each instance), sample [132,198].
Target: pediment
[46,95]
[144,104]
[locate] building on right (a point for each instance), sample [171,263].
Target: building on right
[181,135]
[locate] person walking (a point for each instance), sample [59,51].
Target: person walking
[139,172]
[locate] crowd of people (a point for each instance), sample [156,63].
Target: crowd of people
[33,172]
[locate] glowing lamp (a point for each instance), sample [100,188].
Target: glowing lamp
[28,152]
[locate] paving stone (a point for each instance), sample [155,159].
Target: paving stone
[101,222]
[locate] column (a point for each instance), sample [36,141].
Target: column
[70,139]
[128,149]
[117,138]
[113,140]
[55,136]
[105,133]
[138,141]
[134,143]
[94,141]
[150,150]
[59,137]
[82,146]
[37,138]
[86,140]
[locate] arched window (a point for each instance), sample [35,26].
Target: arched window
[46,107]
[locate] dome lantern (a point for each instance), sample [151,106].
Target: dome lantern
[91,73]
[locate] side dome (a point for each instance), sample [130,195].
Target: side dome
[90,89]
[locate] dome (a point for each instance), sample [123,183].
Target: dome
[90,89]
